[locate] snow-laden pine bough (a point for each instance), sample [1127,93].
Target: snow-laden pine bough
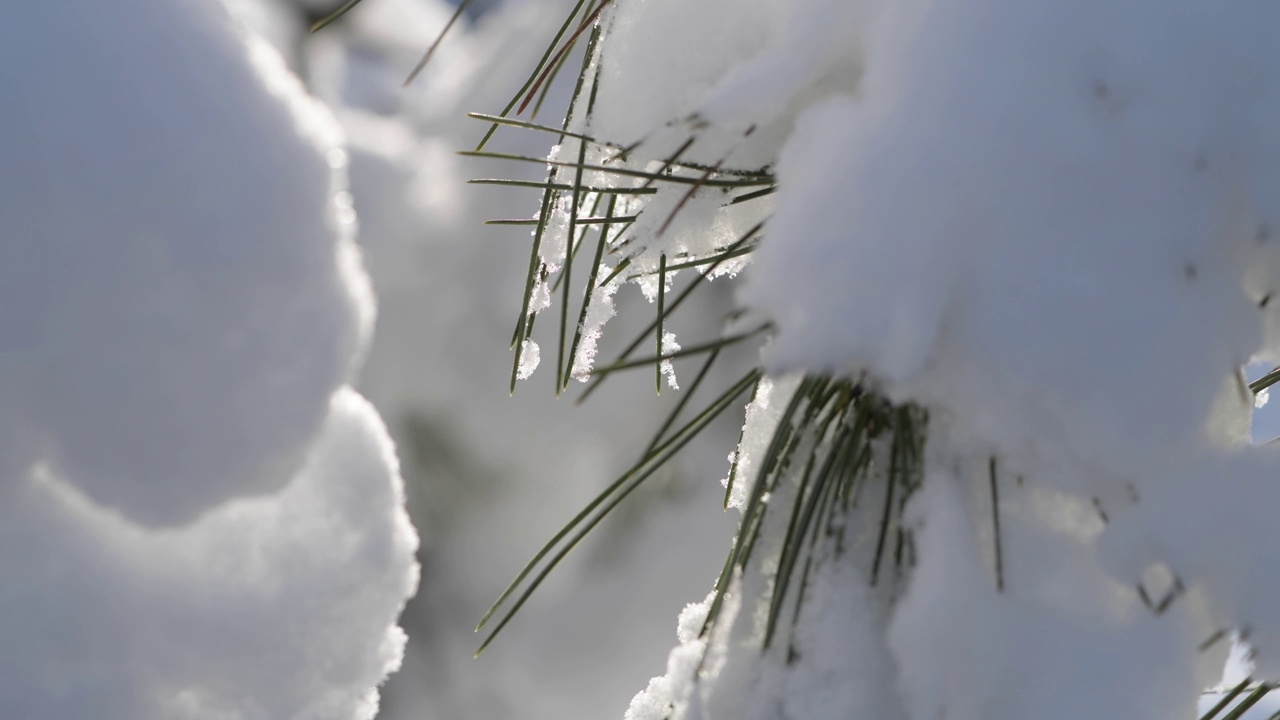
[1010,258]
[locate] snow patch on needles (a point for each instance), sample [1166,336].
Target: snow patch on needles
[530,357]
[668,370]
[657,700]
[762,416]
[1095,226]
[600,309]
[188,481]
[281,606]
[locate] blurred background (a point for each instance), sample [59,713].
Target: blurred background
[491,477]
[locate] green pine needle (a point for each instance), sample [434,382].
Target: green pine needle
[537,70]
[710,177]
[584,522]
[551,185]
[431,51]
[684,295]
[1253,698]
[711,346]
[328,20]
[545,77]
[1226,699]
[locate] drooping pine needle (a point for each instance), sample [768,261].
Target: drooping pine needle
[685,397]
[737,454]
[1212,640]
[331,17]
[1253,699]
[886,517]
[564,50]
[995,523]
[550,83]
[809,495]
[535,261]
[1265,381]
[564,27]
[1226,699]
[606,501]
[753,513]
[426,57]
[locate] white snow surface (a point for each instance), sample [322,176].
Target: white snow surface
[269,607]
[1037,221]
[180,296]
[201,520]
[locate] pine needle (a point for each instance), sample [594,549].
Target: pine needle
[426,57]
[564,50]
[564,27]
[1226,699]
[606,502]
[710,177]
[329,19]
[639,340]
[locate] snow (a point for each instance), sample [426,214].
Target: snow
[215,289]
[762,416]
[600,309]
[280,606]
[667,367]
[530,356]
[201,519]
[1051,225]
[1070,278]
[986,319]
[656,701]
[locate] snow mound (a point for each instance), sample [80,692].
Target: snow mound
[269,607]
[200,519]
[180,289]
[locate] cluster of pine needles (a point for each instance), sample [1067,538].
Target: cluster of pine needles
[845,458]
[837,442]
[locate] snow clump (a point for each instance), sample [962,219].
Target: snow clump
[1052,225]
[201,520]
